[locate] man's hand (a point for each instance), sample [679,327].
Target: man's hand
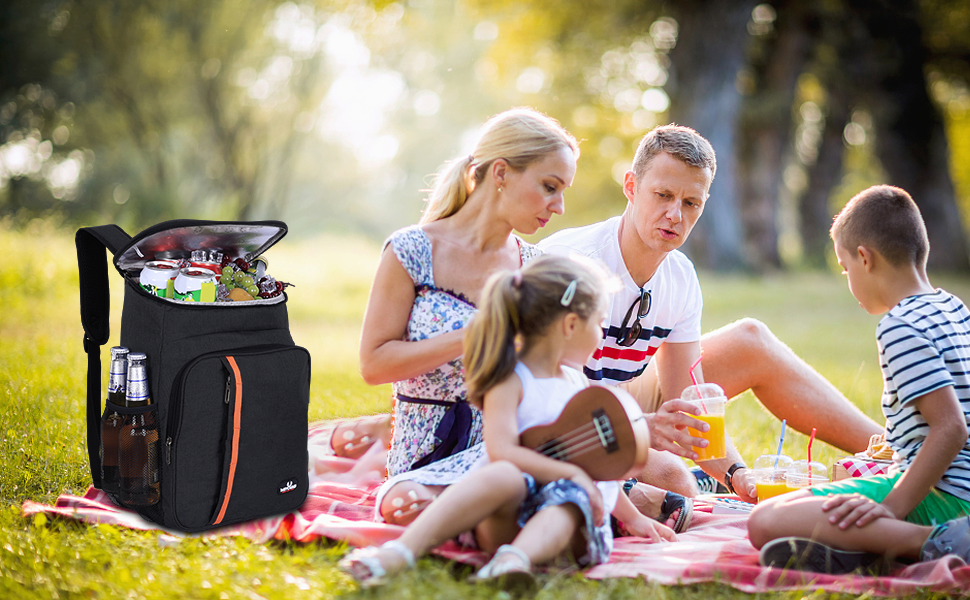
[855,508]
[744,485]
[668,428]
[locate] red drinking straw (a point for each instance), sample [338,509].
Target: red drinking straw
[694,379]
[694,366]
[810,440]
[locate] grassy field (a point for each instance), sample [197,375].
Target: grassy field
[42,429]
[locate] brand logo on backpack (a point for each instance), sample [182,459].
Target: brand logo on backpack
[287,485]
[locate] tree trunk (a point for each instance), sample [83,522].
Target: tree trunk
[910,138]
[711,49]
[823,176]
[766,131]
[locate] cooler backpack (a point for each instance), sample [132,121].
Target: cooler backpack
[229,389]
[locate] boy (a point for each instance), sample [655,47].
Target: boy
[919,509]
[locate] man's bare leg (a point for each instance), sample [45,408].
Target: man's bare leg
[669,472]
[747,355]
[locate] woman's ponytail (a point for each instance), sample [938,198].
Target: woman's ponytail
[449,191]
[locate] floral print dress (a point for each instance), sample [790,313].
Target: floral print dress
[435,311]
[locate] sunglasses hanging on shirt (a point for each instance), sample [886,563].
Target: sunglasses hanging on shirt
[630,333]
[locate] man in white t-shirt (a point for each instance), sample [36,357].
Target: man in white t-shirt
[657,313]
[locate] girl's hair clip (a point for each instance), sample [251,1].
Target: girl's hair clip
[567,296]
[517,279]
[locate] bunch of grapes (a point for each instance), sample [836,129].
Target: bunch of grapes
[243,274]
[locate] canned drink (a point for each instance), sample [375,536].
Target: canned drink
[155,276]
[261,265]
[195,284]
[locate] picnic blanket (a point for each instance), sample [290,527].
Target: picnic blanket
[340,506]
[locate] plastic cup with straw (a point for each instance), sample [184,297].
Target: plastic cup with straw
[711,400]
[805,473]
[771,470]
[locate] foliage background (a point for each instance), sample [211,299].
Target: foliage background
[332,114]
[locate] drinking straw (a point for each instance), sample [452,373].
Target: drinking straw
[692,367]
[781,440]
[693,378]
[810,440]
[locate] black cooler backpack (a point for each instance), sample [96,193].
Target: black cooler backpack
[229,388]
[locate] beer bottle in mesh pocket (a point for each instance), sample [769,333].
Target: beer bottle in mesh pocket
[139,440]
[112,421]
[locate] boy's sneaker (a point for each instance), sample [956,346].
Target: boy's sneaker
[808,555]
[952,537]
[707,484]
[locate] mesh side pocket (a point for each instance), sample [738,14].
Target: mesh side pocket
[139,462]
[111,422]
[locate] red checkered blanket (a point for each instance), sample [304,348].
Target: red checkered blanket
[340,506]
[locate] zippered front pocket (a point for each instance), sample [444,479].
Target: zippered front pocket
[236,443]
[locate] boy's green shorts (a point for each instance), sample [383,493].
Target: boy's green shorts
[938,506]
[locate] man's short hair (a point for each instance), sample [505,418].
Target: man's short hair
[678,141]
[885,219]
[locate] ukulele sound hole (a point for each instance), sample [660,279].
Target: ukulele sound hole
[604,430]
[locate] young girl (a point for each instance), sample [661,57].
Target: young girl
[532,327]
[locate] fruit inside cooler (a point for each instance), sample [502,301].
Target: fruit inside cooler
[188,264]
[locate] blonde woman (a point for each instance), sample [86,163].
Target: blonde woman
[429,279]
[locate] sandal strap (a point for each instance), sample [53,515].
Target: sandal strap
[493,569]
[402,550]
[673,501]
[367,557]
[510,549]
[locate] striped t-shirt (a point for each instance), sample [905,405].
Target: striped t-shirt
[924,345]
[675,309]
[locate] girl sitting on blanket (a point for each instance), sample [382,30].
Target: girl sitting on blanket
[533,325]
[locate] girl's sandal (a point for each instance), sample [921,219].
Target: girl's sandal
[364,565]
[672,502]
[513,576]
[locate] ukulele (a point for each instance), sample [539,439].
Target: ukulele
[601,429]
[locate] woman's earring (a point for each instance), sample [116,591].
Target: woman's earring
[500,190]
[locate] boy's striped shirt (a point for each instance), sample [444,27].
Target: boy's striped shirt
[924,345]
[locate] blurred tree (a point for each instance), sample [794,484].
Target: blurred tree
[910,138]
[704,95]
[783,37]
[187,108]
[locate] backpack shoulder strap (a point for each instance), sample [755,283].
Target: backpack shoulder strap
[92,268]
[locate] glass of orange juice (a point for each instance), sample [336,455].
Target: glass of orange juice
[709,397]
[770,475]
[802,474]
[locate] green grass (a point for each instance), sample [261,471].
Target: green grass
[42,429]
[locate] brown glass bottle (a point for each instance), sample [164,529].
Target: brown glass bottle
[139,440]
[112,421]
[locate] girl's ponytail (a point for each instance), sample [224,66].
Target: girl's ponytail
[516,308]
[489,344]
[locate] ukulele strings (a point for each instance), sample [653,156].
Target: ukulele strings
[579,441]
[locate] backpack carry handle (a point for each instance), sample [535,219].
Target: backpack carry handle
[95,310]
